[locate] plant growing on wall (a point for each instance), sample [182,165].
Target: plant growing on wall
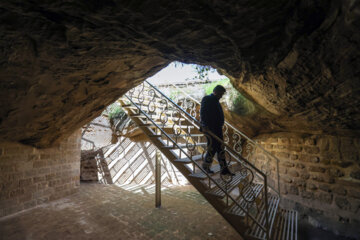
[234,100]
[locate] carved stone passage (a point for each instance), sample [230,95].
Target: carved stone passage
[62,62]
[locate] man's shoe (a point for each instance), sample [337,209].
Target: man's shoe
[207,169]
[226,171]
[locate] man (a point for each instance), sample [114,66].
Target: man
[212,119]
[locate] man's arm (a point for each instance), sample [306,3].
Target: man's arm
[204,112]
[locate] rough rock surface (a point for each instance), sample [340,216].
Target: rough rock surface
[62,62]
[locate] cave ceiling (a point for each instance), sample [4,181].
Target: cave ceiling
[62,62]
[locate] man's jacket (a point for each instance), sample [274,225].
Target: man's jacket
[211,113]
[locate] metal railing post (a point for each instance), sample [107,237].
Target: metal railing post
[157,180]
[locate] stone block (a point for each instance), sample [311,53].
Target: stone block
[339,190]
[272,140]
[39,164]
[295,148]
[355,174]
[324,187]
[311,150]
[316,169]
[304,176]
[288,164]
[324,161]
[42,185]
[342,203]
[43,171]
[323,144]
[285,178]
[314,159]
[324,197]
[269,146]
[25,182]
[353,193]
[30,173]
[299,182]
[347,144]
[16,192]
[279,147]
[334,144]
[296,141]
[42,200]
[334,172]
[293,190]
[294,157]
[310,141]
[307,195]
[33,157]
[24,198]
[341,163]
[39,179]
[282,169]
[293,173]
[318,178]
[284,140]
[352,156]
[50,176]
[29,204]
[299,165]
[282,155]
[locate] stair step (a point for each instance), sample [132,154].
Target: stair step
[173,119]
[187,160]
[255,190]
[216,191]
[215,168]
[286,225]
[170,126]
[127,105]
[255,231]
[182,145]
[186,135]
[155,136]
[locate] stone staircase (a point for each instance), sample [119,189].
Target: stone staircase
[247,201]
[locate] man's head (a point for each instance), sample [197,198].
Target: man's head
[219,91]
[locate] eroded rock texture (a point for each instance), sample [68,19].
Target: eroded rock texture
[62,62]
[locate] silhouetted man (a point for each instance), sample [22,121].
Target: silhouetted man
[212,118]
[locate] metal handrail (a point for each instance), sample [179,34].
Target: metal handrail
[197,124]
[211,133]
[242,134]
[194,162]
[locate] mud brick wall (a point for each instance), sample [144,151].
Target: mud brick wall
[30,176]
[320,175]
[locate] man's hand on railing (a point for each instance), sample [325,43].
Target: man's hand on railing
[204,129]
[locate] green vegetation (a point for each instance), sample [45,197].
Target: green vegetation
[114,111]
[210,87]
[234,100]
[174,94]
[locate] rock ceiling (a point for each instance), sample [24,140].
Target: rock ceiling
[62,62]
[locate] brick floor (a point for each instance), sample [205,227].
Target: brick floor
[110,212]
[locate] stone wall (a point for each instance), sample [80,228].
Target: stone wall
[30,176]
[319,176]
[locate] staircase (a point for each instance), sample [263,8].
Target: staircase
[247,201]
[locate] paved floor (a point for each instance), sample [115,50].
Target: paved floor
[110,212]
[127,212]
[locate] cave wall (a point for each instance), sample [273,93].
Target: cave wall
[61,62]
[30,176]
[319,176]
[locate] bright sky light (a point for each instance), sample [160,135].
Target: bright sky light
[180,73]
